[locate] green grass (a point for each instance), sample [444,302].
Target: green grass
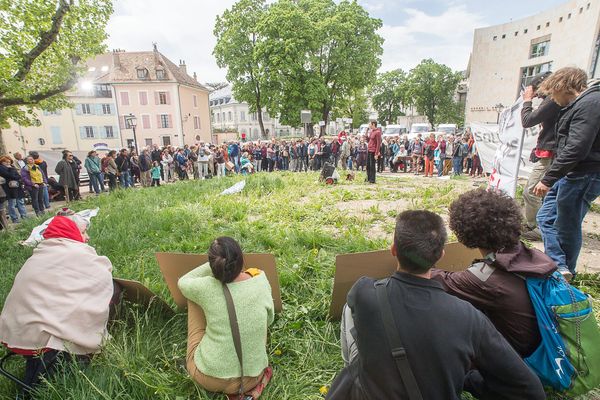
[288,215]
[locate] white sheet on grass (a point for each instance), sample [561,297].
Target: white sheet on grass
[37,232]
[238,187]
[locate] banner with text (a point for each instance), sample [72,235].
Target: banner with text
[504,149]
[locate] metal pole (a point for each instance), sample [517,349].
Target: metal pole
[135,141]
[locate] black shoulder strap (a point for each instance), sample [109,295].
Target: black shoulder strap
[397,348]
[235,333]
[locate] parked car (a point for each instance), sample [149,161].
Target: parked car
[394,130]
[448,129]
[417,128]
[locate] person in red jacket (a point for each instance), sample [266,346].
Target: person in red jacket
[430,146]
[374,151]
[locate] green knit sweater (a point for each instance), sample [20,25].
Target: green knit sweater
[215,355]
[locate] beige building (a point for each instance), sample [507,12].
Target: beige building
[170,106]
[505,57]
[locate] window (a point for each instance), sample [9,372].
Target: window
[102,91]
[106,109]
[525,31]
[540,47]
[504,36]
[212,117]
[166,140]
[86,109]
[196,122]
[142,73]
[127,122]
[47,113]
[160,74]
[164,121]
[41,141]
[588,5]
[527,73]
[517,33]
[569,16]
[229,116]
[242,116]
[148,141]
[145,122]
[560,19]
[218,117]
[162,97]
[223,116]
[495,38]
[581,10]
[129,143]
[124,98]
[88,132]
[109,133]
[195,99]
[547,24]
[539,27]
[143,96]
[56,137]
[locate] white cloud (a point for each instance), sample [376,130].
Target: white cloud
[183,30]
[447,38]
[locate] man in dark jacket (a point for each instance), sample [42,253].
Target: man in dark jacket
[67,177]
[495,284]
[572,182]
[546,115]
[374,151]
[449,344]
[124,168]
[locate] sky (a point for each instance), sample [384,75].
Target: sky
[413,29]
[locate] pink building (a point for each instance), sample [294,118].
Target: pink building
[171,107]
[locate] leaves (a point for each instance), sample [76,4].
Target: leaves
[390,95]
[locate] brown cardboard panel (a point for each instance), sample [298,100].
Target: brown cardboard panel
[135,292]
[174,265]
[380,264]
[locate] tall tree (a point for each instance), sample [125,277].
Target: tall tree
[42,44]
[431,88]
[353,106]
[389,95]
[236,49]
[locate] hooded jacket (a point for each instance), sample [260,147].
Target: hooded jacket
[374,141]
[546,115]
[497,287]
[577,137]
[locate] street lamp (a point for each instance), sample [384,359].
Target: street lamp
[131,120]
[499,107]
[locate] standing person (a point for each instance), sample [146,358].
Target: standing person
[220,159]
[383,149]
[34,180]
[345,152]
[167,166]
[155,173]
[572,182]
[193,157]
[374,148]
[301,163]
[416,149]
[156,155]
[67,179]
[271,157]
[546,115]
[124,168]
[430,146]
[442,145]
[93,166]
[458,155]
[19,160]
[293,156]
[335,149]
[145,163]
[134,161]
[202,162]
[211,360]
[234,152]
[111,170]
[285,155]
[467,354]
[449,152]
[44,167]
[257,157]
[13,187]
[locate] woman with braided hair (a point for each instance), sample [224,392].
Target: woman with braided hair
[213,361]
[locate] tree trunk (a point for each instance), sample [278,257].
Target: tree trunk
[310,130]
[260,122]
[2,147]
[325,116]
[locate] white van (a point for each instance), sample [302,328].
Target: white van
[448,129]
[415,129]
[394,130]
[363,129]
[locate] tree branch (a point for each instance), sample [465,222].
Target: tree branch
[46,40]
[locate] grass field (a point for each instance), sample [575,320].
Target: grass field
[301,222]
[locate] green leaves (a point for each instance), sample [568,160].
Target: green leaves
[390,95]
[42,44]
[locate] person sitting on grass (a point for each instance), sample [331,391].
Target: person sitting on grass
[212,360]
[58,306]
[246,166]
[449,345]
[491,223]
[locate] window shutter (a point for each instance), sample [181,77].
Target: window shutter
[98,109]
[102,130]
[124,98]
[156,98]
[78,110]
[121,122]
[145,121]
[82,132]
[195,101]
[170,121]
[158,124]
[168,97]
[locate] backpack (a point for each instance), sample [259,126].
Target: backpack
[568,358]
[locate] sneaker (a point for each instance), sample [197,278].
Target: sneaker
[566,274]
[533,235]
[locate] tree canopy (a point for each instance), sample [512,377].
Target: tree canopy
[42,46]
[389,95]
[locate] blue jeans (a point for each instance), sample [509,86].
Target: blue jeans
[125,179]
[46,197]
[440,165]
[457,165]
[20,204]
[561,216]
[95,181]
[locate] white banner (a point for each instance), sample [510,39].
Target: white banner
[505,155]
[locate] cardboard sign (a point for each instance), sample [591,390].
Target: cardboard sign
[381,264]
[135,292]
[174,265]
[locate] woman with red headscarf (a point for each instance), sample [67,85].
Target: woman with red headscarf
[58,305]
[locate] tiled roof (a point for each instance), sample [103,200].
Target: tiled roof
[123,66]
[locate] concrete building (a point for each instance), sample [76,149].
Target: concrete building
[505,57]
[231,115]
[171,107]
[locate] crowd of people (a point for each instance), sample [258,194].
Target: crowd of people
[421,333]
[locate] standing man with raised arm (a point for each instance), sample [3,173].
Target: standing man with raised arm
[374,151]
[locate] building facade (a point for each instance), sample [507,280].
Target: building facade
[506,57]
[230,115]
[170,106]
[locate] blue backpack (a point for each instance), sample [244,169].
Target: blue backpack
[568,358]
